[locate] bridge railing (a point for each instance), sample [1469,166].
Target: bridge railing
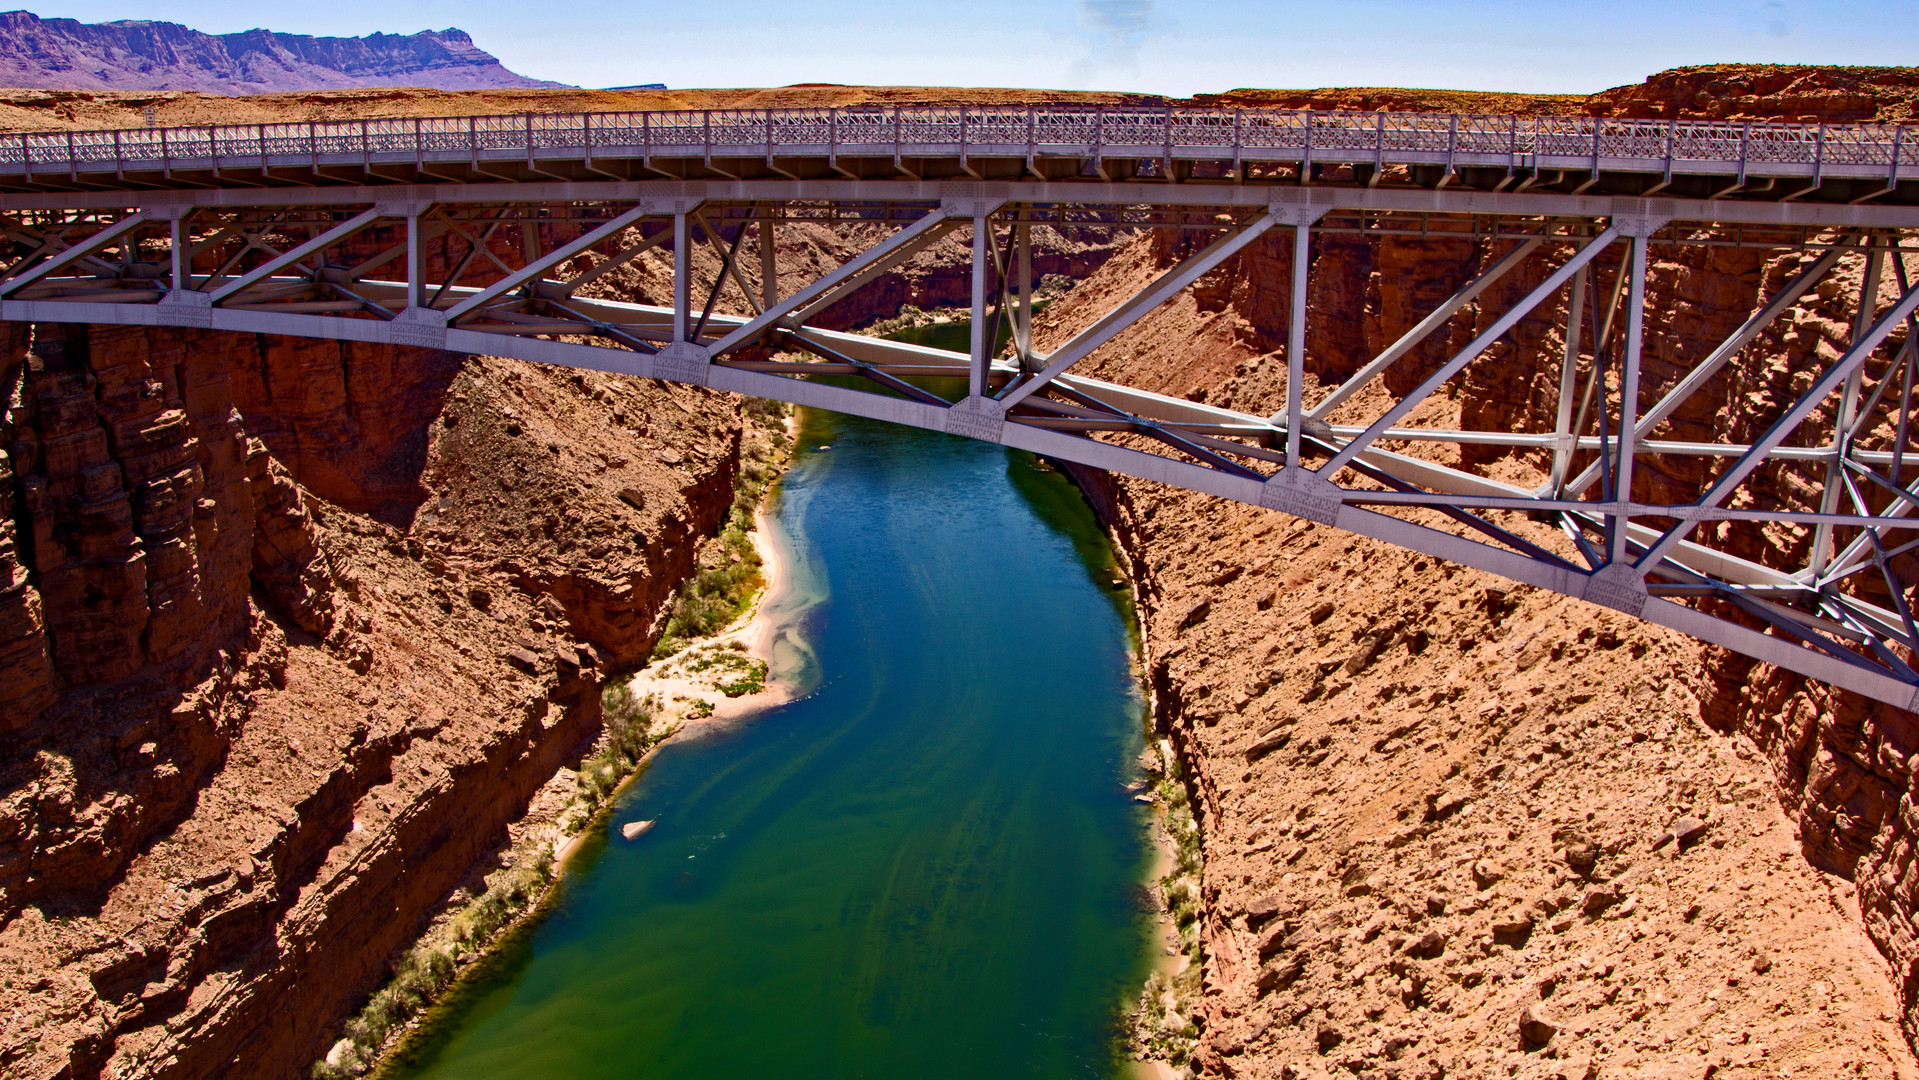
[1038,130]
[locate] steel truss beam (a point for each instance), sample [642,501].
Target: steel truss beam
[283,267]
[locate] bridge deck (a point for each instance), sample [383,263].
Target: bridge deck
[1762,161]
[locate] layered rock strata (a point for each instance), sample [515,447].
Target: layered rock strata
[256,736]
[141,55]
[1435,804]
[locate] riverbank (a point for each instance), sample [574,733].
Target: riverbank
[934,849]
[733,673]
[734,573]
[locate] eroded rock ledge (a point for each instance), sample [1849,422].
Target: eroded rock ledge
[305,627]
[1456,826]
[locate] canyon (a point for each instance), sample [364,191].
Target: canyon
[295,630]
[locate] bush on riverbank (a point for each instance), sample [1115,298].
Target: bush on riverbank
[1163,1027]
[627,734]
[429,967]
[728,578]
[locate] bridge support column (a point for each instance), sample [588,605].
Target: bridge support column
[769,264]
[1563,434]
[682,279]
[1296,339]
[179,241]
[1847,413]
[1628,397]
[982,266]
[1023,319]
[415,262]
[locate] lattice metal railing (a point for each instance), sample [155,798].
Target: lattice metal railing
[1708,146]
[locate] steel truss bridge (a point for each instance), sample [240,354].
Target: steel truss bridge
[327,230]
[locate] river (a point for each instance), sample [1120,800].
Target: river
[928,866]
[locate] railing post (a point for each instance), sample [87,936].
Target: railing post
[1306,152]
[1745,138]
[1819,157]
[1166,140]
[1099,141]
[366,148]
[1239,116]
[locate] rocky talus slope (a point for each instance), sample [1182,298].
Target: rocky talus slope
[256,729]
[1455,826]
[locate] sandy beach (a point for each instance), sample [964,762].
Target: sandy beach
[684,688]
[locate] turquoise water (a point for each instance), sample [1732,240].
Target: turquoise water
[926,867]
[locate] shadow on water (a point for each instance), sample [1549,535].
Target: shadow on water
[928,867]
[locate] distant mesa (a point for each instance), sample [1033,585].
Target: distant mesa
[639,86]
[66,54]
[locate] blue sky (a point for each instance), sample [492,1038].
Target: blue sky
[1157,46]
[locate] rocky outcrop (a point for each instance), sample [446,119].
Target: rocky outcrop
[1802,92]
[142,55]
[1807,93]
[1394,761]
[256,736]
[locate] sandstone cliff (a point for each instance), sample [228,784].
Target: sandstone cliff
[256,733]
[1431,802]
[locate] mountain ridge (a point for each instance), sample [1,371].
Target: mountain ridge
[139,54]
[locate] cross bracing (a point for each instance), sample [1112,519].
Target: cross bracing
[505,266]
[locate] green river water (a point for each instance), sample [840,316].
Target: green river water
[926,867]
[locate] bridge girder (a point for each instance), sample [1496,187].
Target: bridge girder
[302,261]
